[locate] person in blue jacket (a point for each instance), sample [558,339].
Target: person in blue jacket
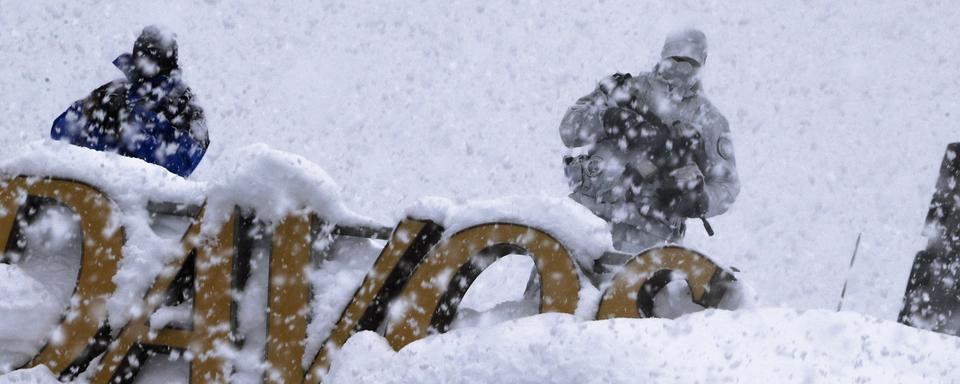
[150,114]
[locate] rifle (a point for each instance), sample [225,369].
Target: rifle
[681,146]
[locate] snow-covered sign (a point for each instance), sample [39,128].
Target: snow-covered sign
[137,291]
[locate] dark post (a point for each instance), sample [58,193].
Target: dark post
[932,299]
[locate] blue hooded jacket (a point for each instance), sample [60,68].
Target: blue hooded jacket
[149,118]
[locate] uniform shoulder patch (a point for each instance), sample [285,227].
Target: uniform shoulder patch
[725,147]
[594,166]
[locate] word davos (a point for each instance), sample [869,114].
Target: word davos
[420,267]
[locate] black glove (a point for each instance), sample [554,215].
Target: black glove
[691,204]
[683,194]
[618,122]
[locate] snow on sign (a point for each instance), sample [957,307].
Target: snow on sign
[111,324]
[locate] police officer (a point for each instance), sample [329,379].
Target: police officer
[650,151]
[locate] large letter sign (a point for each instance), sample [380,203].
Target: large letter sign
[412,291]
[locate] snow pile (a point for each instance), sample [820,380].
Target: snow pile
[274,184]
[584,234]
[504,280]
[714,346]
[39,284]
[129,182]
[36,375]
[28,311]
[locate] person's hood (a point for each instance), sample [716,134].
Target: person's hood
[125,64]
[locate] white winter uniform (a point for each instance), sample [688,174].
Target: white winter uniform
[598,180]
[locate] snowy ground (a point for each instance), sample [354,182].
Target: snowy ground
[757,346]
[840,110]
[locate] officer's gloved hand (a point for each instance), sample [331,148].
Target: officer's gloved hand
[684,192]
[619,122]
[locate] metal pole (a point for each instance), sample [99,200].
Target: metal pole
[850,268]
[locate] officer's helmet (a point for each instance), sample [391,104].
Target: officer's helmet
[688,44]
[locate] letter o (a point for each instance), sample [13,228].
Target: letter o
[631,293]
[429,300]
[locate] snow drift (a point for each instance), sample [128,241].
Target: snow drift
[771,345]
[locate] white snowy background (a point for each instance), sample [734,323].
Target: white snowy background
[840,111]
